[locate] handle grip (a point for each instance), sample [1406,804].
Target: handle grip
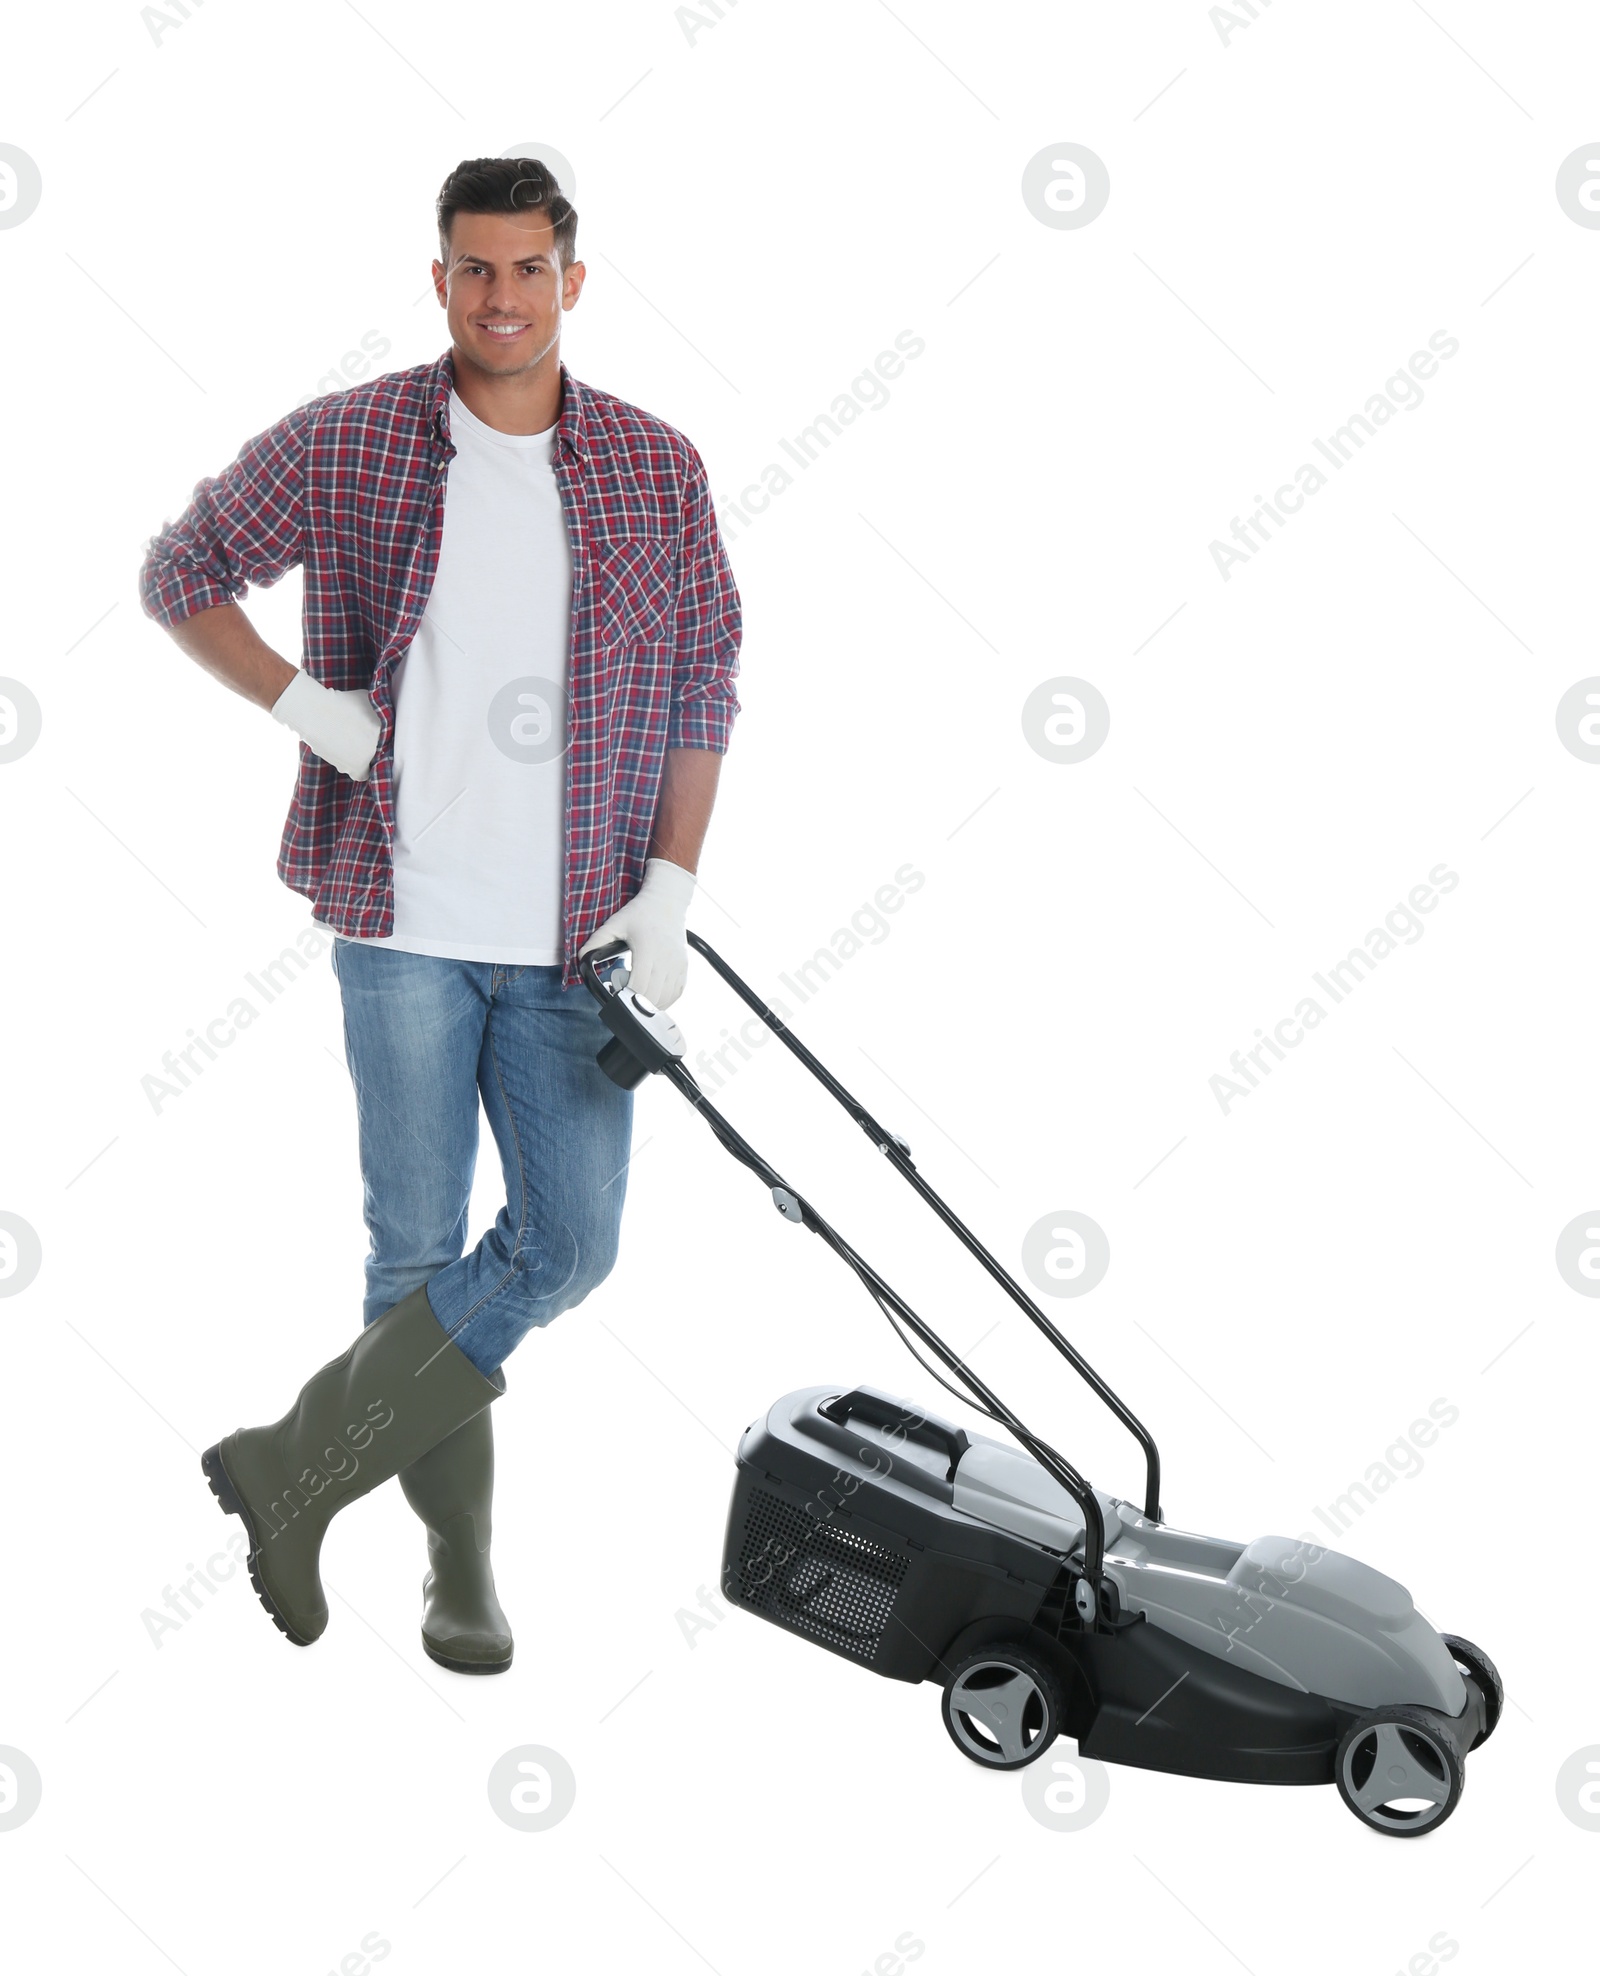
[643,1037]
[589,963]
[878,1410]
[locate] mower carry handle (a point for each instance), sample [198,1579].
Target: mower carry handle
[863,1404]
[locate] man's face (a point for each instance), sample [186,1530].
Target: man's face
[503,290]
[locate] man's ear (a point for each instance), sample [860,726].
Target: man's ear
[437,268]
[572,284]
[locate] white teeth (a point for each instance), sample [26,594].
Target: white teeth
[504,329]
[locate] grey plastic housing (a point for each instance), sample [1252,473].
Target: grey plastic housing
[1001,1484]
[1289,1609]
[1302,1616]
[1283,1607]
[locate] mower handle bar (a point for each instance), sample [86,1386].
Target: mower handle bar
[795,1207]
[898,1154]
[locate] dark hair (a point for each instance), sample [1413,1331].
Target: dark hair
[508,185]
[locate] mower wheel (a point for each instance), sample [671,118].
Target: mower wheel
[1002,1706]
[1474,1661]
[1398,1772]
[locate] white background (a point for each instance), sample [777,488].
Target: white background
[230,202]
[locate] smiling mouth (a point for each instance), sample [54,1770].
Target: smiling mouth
[503,332]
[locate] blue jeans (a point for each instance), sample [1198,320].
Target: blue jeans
[424,1038]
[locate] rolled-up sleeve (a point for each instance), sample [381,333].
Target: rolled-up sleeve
[243,526]
[707,626]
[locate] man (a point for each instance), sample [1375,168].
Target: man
[521,636]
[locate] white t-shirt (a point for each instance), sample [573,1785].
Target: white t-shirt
[480,698]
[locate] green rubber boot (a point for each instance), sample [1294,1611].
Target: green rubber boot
[463,1626]
[398,1391]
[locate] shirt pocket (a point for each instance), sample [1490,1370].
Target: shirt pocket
[633,585]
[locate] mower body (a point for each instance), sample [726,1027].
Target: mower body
[902,1547]
[1042,1605]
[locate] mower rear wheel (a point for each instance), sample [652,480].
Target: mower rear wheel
[1002,1706]
[1398,1772]
[1474,1661]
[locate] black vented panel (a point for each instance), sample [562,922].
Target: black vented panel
[817,1575]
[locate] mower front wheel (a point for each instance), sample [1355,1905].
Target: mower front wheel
[1002,1706]
[1474,1661]
[1398,1772]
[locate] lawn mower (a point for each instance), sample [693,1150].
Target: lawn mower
[1044,1606]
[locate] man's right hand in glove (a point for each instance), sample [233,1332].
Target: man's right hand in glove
[341,726]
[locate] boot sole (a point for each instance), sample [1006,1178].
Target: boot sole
[232,1504]
[464,1666]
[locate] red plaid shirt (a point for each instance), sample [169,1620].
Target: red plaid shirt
[351,488]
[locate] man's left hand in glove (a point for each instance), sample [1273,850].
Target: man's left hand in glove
[653,923]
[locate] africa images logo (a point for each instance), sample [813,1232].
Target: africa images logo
[1402,926]
[1401,392]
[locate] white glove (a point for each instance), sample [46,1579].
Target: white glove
[652,923]
[341,726]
